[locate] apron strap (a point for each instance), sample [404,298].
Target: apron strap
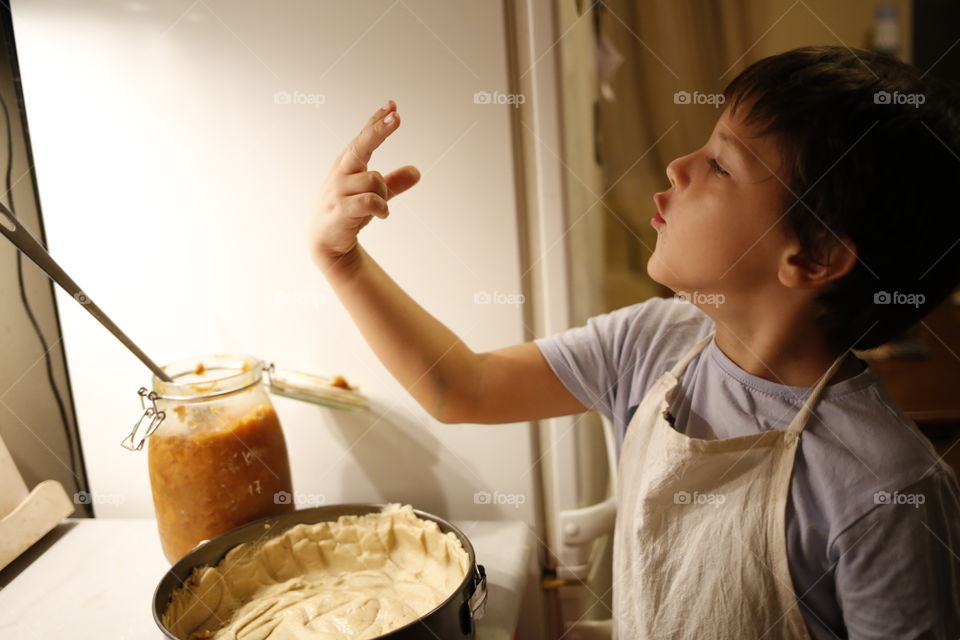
[679,368]
[800,420]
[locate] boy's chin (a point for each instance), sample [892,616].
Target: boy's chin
[662,274]
[695,294]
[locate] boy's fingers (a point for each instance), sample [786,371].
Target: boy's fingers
[354,183]
[365,204]
[381,113]
[358,152]
[400,180]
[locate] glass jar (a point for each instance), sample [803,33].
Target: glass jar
[217,458]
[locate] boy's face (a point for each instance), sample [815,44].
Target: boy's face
[723,233]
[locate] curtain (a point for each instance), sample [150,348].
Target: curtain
[668,46]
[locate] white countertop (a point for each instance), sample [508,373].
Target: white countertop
[95,578]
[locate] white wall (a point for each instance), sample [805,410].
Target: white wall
[177,192]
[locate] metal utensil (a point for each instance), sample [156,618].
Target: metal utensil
[31,247]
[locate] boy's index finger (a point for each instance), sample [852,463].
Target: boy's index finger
[357,154]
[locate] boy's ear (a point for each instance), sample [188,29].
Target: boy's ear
[799,271]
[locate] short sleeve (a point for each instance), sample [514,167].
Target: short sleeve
[586,359]
[608,362]
[898,567]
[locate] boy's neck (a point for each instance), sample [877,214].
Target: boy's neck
[784,354]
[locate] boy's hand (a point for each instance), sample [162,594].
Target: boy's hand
[352,195]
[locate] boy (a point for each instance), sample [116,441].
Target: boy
[768,485]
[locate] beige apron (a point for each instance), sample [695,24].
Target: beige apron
[700,544]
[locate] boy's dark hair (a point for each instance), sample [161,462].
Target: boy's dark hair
[872,153]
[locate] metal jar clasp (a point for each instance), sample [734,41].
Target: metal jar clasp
[148,402]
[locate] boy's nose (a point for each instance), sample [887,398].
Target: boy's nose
[672,170]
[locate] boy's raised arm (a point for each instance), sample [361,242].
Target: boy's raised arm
[450,381]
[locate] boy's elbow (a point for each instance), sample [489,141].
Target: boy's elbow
[459,408]
[451,413]
[458,403]
[444,419]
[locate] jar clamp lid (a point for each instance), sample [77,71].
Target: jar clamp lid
[328,392]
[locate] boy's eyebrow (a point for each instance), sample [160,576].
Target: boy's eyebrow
[747,158]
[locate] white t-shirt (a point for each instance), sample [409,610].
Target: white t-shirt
[873,516]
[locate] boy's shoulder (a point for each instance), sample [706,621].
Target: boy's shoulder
[671,310]
[656,333]
[864,453]
[661,328]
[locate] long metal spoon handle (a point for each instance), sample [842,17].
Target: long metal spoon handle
[24,240]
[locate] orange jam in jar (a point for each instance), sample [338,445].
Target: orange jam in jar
[218,459]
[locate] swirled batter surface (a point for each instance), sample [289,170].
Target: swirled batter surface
[357,578]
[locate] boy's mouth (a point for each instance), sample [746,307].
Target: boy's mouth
[657,219]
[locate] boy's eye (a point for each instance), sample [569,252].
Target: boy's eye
[716,167]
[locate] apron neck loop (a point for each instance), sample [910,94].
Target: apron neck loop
[681,365]
[800,420]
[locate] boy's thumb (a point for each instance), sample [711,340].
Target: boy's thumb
[400,180]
